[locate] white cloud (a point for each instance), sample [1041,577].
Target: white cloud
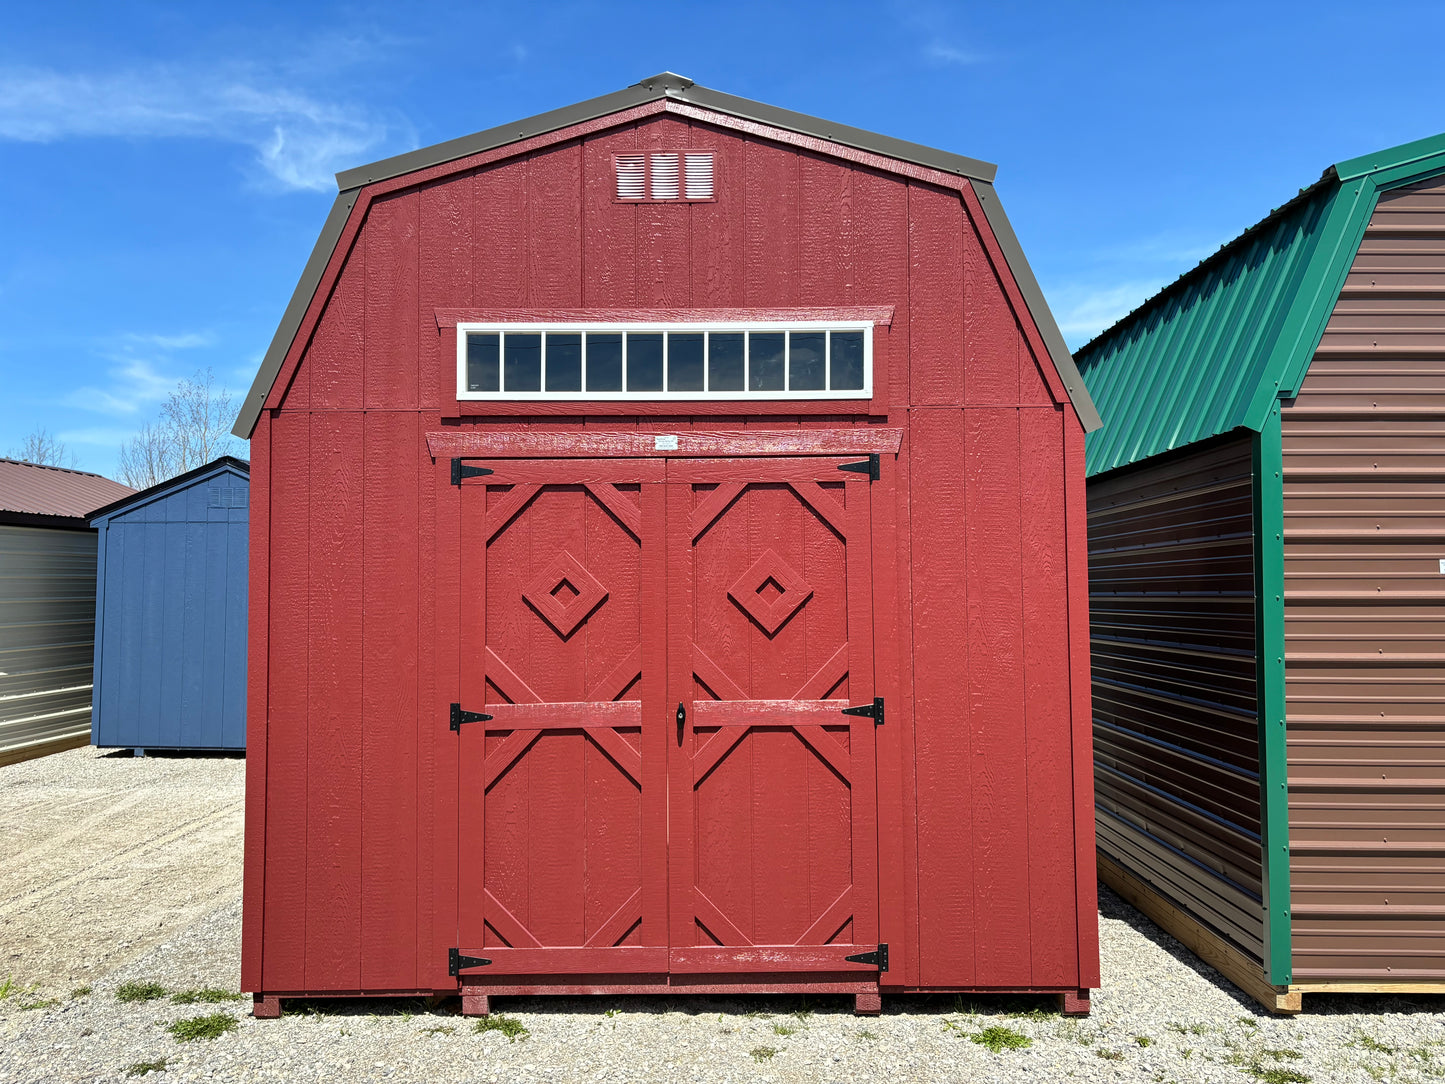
[1083,311]
[949,54]
[299,141]
[188,340]
[134,383]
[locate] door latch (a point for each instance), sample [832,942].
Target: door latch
[681,720]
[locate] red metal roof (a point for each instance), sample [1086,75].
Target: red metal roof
[54,491]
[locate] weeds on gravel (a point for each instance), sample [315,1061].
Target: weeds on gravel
[999,1038]
[207,995]
[1369,1042]
[440,1029]
[784,1029]
[1110,1055]
[761,1054]
[866,1036]
[1279,1075]
[7,988]
[141,1068]
[509,1026]
[43,1003]
[139,991]
[1143,1040]
[80,991]
[1189,1029]
[202,1027]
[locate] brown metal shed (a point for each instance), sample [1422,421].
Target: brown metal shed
[1267,563]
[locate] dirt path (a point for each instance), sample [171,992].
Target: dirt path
[103,857]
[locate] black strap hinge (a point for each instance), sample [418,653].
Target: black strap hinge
[869,466]
[880,958]
[460,470]
[459,717]
[872,711]
[456,961]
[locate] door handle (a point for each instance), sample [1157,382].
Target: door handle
[681,720]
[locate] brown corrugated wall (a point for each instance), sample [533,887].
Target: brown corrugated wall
[1364,507]
[1171,584]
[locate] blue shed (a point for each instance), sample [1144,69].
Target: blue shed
[170,613]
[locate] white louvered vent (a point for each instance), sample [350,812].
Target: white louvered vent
[630,171]
[698,175]
[664,180]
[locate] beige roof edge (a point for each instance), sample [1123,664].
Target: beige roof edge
[666,84]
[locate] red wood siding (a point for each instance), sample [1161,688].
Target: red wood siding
[985,874]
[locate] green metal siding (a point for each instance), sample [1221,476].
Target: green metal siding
[1187,367]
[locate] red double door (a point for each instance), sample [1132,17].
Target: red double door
[668,782]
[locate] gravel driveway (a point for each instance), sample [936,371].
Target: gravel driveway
[121,877]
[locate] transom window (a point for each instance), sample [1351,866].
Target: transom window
[783,360]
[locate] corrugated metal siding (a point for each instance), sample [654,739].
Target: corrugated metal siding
[1185,368]
[1364,455]
[47,626]
[171,649]
[1171,582]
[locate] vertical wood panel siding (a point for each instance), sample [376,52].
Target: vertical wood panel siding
[1171,584]
[172,622]
[1364,458]
[362,561]
[47,628]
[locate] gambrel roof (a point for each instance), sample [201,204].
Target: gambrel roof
[1212,351]
[667,88]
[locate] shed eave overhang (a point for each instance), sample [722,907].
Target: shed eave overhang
[223,464]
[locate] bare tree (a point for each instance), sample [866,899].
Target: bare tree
[194,428]
[40,447]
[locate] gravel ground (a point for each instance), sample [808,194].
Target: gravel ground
[117,871]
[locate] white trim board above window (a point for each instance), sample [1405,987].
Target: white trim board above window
[788,359]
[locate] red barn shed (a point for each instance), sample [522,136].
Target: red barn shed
[668,573]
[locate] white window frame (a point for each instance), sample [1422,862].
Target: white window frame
[565,327]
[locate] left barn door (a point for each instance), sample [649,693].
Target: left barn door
[562,847]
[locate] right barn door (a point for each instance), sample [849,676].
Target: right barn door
[773,842]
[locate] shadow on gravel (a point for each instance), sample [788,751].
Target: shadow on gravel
[1111,906]
[752,1005]
[174,754]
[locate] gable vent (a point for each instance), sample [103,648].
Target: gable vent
[664,177]
[630,171]
[698,175]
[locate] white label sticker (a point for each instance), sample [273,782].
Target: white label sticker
[668,443]
[1442,566]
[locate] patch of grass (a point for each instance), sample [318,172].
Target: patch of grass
[999,1038]
[44,1003]
[761,1054]
[141,1068]
[139,991]
[866,1036]
[207,995]
[1248,1022]
[10,986]
[784,1029]
[1143,1040]
[212,1026]
[1280,1053]
[80,991]
[1369,1042]
[1189,1029]
[509,1026]
[440,1029]
[1279,1075]
[1110,1055]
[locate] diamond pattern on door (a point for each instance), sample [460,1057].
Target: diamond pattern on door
[564,593]
[770,592]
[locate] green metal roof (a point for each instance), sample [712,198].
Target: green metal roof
[1213,351]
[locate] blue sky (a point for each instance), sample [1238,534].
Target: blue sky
[165,168]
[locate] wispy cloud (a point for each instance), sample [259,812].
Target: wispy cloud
[299,141]
[186,340]
[944,53]
[1084,310]
[134,384]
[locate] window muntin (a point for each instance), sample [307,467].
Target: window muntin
[580,361]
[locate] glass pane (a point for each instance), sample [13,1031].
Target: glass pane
[483,373]
[644,362]
[604,361]
[684,361]
[847,361]
[523,368]
[725,361]
[564,362]
[807,362]
[765,361]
